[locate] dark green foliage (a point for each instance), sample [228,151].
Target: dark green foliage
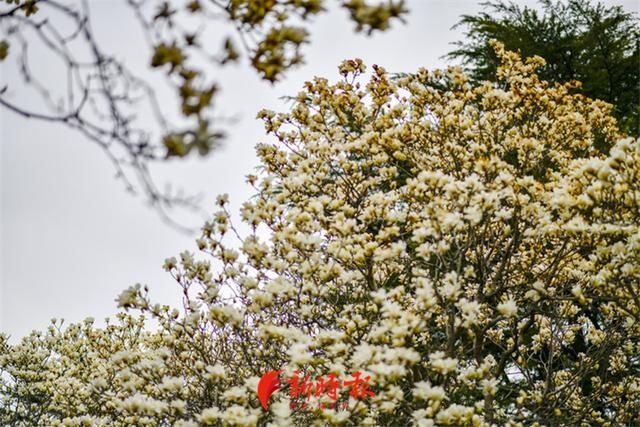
[592,43]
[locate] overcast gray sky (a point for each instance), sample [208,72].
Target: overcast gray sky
[71,239]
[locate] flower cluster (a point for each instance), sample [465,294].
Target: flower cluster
[473,249]
[270,33]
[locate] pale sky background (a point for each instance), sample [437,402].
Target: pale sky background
[71,239]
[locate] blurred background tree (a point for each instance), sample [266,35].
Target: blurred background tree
[580,40]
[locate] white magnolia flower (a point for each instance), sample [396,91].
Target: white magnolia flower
[508,308]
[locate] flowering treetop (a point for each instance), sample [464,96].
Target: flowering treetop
[474,250]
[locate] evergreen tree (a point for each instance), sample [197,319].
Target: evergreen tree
[592,43]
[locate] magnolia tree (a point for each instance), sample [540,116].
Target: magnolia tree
[473,252]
